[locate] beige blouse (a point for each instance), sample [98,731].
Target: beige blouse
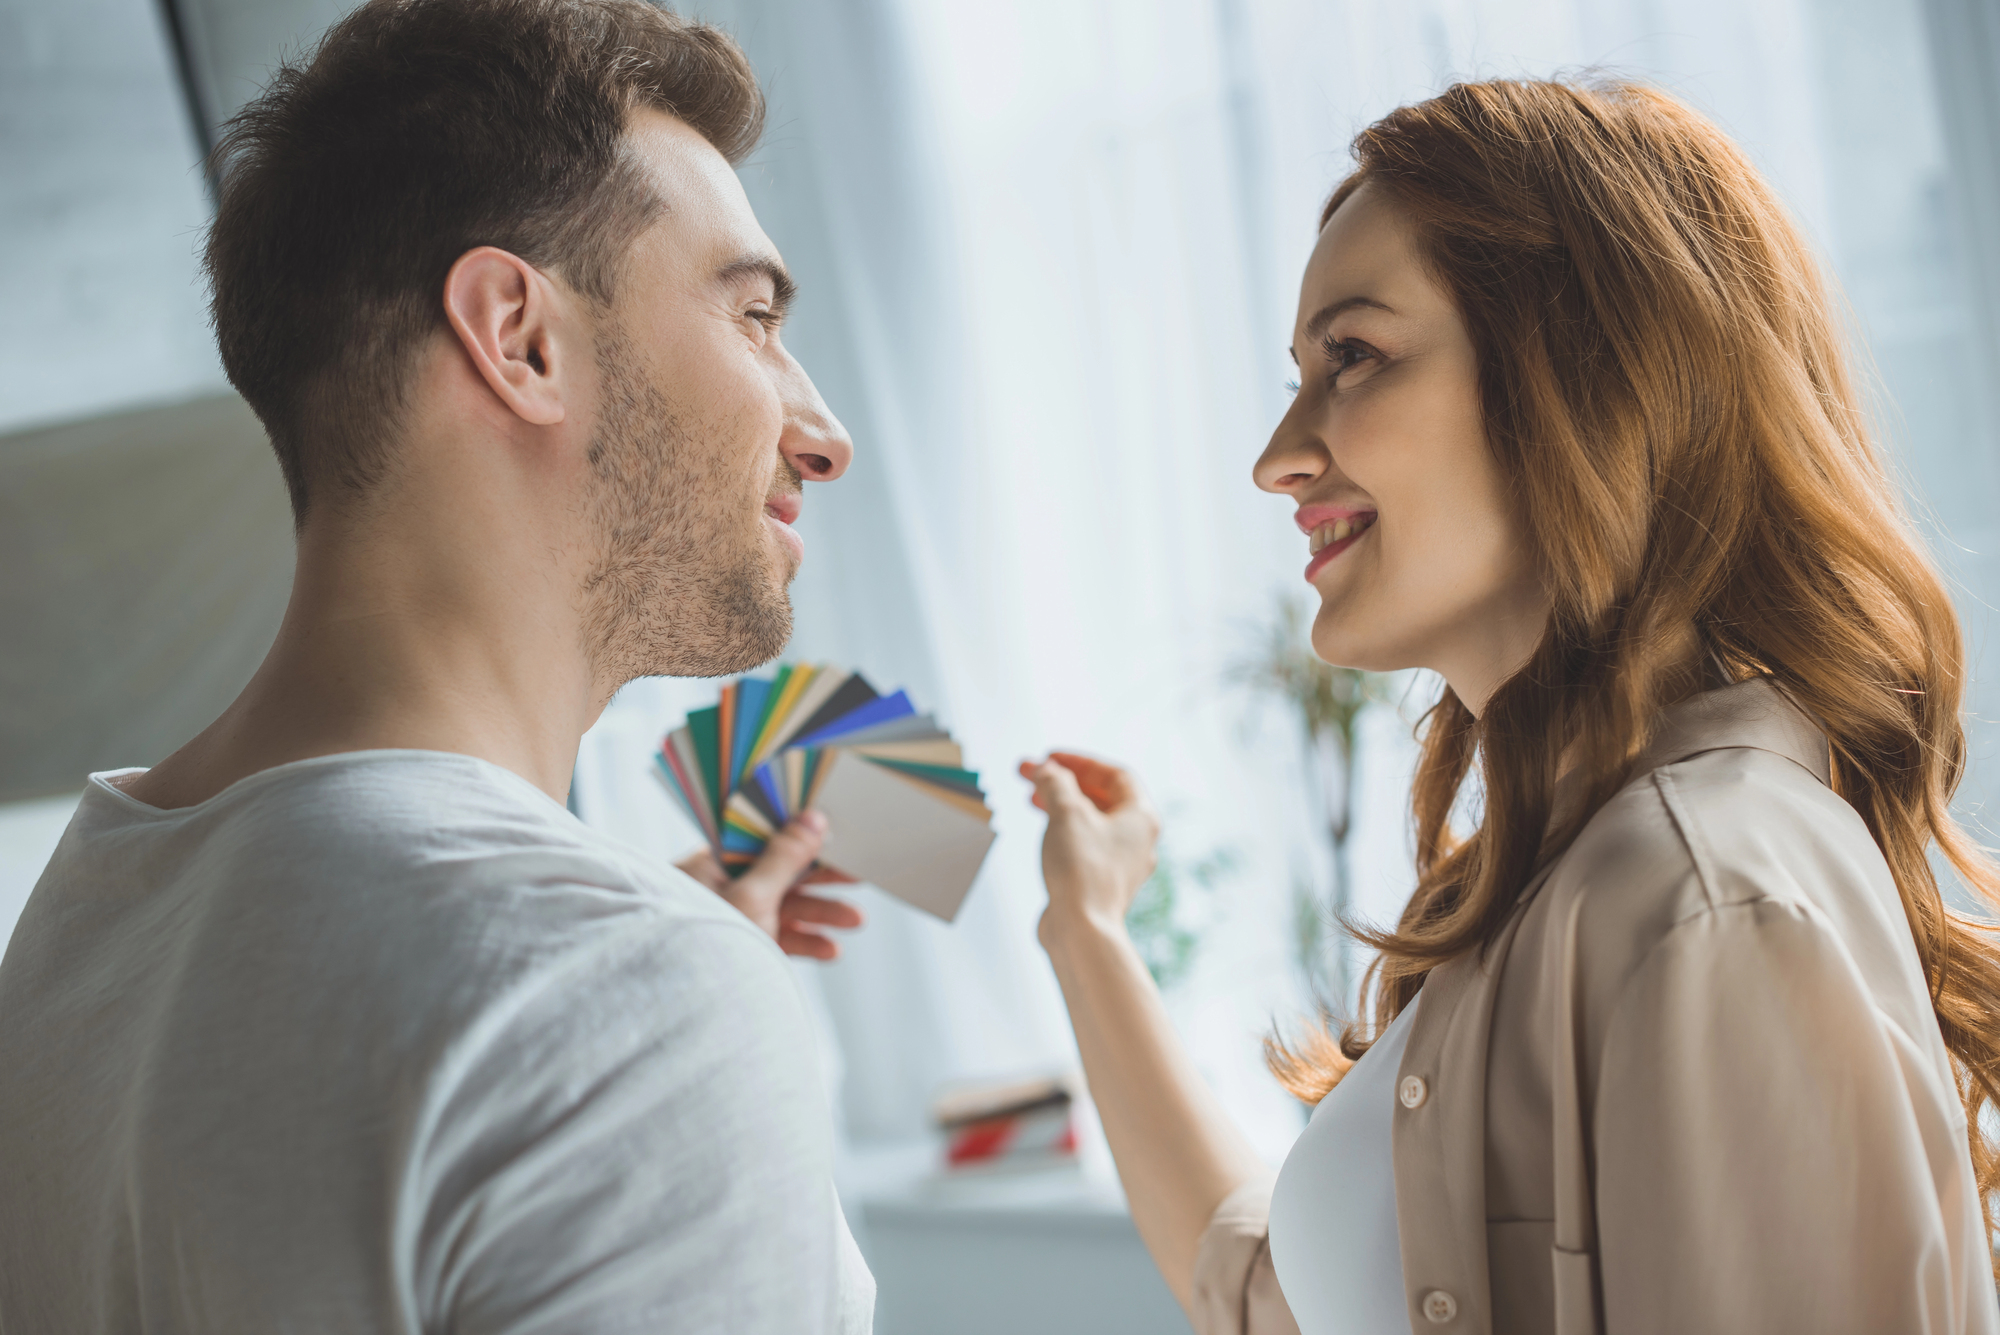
[1696,1085]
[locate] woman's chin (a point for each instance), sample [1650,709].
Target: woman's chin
[1346,635]
[1341,650]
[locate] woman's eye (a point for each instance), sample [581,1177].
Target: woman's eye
[1345,354]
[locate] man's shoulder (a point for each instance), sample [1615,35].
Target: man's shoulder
[449,863]
[428,1000]
[397,831]
[408,894]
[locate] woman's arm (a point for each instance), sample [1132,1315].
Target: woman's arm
[1178,1153]
[1773,1152]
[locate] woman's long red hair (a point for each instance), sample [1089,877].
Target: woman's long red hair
[1665,384]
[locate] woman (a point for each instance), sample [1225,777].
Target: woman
[1682,1036]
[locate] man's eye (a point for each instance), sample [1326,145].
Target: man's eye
[767,318]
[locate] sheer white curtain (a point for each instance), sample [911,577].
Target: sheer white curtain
[1041,334]
[1050,251]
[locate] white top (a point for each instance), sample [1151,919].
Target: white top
[390,1042]
[1333,1212]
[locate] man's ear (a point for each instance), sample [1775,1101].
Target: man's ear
[504,312]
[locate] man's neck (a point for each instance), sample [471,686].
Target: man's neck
[448,635]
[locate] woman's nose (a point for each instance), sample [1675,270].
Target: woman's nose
[1295,457]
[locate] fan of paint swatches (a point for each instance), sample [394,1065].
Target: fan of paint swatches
[903,812]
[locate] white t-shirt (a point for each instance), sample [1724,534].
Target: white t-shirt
[1334,1243]
[390,1042]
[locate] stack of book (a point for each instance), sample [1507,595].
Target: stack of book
[903,812]
[1008,1125]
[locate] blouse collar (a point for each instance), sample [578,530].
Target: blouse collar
[1755,713]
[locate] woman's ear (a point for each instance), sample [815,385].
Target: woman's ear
[505,314]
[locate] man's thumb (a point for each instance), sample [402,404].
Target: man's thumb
[790,852]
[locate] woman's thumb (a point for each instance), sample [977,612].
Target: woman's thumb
[1056,787]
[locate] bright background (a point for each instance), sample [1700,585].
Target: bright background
[1048,250]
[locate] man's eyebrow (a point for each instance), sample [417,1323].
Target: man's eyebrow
[783,289]
[1324,316]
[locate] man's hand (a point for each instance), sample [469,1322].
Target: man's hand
[769,893]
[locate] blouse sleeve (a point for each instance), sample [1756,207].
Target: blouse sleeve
[1235,1287]
[1772,1153]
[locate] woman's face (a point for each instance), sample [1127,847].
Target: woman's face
[1416,549]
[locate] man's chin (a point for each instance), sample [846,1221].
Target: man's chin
[729,624]
[766,637]
[742,634]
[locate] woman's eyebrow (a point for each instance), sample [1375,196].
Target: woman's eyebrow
[1324,316]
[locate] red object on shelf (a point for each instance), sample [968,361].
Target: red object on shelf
[980,1140]
[1036,1135]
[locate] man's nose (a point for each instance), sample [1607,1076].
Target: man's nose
[814,441]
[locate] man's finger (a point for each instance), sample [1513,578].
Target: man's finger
[811,945]
[786,857]
[800,908]
[704,868]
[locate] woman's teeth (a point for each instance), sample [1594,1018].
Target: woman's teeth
[1340,530]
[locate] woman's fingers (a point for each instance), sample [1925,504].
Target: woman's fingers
[798,908]
[1107,786]
[1056,788]
[1027,770]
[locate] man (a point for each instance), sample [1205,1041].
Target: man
[337,1019]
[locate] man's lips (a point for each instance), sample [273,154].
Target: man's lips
[780,512]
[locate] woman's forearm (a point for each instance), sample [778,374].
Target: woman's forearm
[1178,1153]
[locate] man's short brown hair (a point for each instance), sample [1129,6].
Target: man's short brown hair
[416,131]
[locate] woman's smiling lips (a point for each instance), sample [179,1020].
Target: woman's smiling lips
[1331,530]
[781,511]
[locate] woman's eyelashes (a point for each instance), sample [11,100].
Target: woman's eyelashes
[1344,355]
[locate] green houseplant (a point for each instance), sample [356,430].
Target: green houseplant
[1325,704]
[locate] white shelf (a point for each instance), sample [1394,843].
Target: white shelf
[999,1253]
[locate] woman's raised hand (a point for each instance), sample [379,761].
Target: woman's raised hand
[1178,1154]
[1100,844]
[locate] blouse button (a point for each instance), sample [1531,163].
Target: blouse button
[1439,1307]
[1412,1092]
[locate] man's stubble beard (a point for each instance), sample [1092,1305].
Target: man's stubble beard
[682,590]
